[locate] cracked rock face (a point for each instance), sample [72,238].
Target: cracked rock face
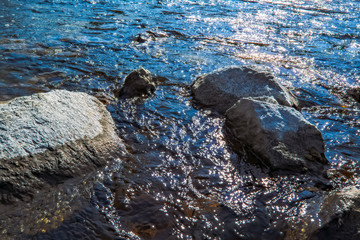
[222,88]
[279,136]
[49,137]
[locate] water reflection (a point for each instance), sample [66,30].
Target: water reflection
[180,179]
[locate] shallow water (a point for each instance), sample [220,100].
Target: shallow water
[179,178]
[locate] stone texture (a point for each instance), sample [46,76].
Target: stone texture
[278,136]
[48,137]
[333,215]
[339,215]
[137,84]
[220,89]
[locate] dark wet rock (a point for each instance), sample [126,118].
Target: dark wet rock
[150,36]
[220,89]
[334,215]
[49,137]
[354,93]
[140,39]
[277,136]
[85,222]
[340,215]
[137,84]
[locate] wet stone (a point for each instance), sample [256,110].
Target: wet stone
[354,93]
[333,215]
[138,83]
[148,36]
[222,88]
[277,136]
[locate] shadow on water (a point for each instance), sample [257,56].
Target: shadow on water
[179,178]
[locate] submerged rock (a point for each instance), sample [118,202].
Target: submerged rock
[277,136]
[221,89]
[150,36]
[138,83]
[48,137]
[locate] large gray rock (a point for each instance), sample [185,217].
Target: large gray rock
[278,136]
[220,89]
[137,84]
[48,137]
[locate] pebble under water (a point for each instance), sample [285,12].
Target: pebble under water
[178,178]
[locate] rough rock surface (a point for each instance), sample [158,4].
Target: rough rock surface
[278,136]
[220,89]
[340,215]
[48,137]
[335,215]
[138,83]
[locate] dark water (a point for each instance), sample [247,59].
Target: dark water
[180,179]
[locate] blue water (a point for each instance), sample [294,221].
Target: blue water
[178,162]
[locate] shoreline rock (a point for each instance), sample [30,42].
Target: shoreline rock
[279,136]
[47,138]
[333,215]
[262,120]
[221,89]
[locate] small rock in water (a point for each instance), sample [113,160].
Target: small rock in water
[221,89]
[138,83]
[278,136]
[149,36]
[355,93]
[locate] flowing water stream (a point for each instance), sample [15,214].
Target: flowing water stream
[179,179]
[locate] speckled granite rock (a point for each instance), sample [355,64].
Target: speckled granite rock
[48,137]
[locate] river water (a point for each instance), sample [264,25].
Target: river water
[179,178]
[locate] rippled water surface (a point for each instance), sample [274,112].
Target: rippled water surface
[179,178]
